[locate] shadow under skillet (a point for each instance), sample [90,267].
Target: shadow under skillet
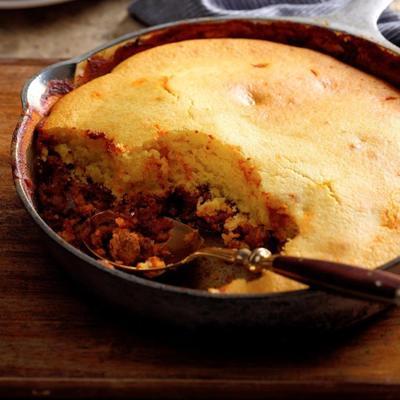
[242,339]
[227,345]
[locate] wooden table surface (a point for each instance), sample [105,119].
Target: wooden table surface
[57,342]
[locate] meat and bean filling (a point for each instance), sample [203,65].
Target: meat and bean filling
[140,229]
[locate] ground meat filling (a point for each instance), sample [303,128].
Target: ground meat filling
[138,233]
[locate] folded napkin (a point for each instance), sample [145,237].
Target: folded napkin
[153,12]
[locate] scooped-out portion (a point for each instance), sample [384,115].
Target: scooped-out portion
[253,142]
[184,176]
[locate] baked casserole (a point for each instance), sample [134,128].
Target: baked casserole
[259,143]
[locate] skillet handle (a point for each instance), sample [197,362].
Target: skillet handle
[358,282]
[361,18]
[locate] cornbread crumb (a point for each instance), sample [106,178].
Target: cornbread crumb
[124,246]
[151,263]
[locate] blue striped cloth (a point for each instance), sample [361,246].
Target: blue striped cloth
[153,12]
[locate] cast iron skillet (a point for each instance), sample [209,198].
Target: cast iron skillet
[350,35]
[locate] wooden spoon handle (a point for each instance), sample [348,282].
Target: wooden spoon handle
[354,281]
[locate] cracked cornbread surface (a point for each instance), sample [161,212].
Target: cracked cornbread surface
[278,130]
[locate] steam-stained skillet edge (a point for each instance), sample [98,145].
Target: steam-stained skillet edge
[26,119]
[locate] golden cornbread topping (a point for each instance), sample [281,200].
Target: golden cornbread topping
[304,147]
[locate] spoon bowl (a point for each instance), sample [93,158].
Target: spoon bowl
[183,242]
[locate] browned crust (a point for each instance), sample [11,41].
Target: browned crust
[352,50]
[56,88]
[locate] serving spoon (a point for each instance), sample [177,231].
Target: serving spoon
[185,244]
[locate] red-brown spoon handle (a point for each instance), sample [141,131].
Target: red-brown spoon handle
[363,283]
